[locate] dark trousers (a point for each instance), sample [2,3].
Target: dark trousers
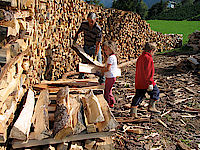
[140,94]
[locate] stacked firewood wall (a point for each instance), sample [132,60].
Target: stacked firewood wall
[51,25]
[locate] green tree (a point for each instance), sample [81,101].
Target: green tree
[156,9]
[142,9]
[94,2]
[187,2]
[128,5]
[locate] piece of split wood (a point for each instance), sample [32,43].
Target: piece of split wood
[161,122]
[166,113]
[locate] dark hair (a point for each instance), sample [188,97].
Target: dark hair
[150,46]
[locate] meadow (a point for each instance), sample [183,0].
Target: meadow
[175,27]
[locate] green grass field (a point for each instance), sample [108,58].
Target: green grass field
[176,27]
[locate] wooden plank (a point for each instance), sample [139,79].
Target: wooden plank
[130,119]
[31,143]
[56,89]
[85,56]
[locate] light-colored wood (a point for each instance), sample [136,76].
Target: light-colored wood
[22,126]
[110,123]
[41,118]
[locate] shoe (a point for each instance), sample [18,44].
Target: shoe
[152,107]
[133,112]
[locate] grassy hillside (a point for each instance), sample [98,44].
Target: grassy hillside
[176,27]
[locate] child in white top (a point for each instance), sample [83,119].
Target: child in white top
[110,70]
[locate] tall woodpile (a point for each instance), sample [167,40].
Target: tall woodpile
[194,40]
[47,27]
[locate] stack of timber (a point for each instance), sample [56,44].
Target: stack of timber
[63,114]
[194,40]
[47,28]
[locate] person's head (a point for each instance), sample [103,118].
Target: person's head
[109,47]
[150,47]
[91,18]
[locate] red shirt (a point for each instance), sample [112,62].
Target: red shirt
[144,71]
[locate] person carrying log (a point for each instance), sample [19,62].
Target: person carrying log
[144,81]
[92,40]
[110,70]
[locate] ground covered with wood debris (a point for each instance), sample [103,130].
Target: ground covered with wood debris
[178,125]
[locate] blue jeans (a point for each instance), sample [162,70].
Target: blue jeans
[140,94]
[91,52]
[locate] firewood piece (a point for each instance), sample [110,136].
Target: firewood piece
[3,120]
[92,108]
[182,145]
[136,131]
[130,119]
[21,127]
[87,68]
[41,118]
[110,123]
[62,118]
[161,122]
[84,56]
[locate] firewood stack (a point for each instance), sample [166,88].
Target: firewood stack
[194,40]
[50,26]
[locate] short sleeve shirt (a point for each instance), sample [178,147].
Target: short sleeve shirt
[91,36]
[114,70]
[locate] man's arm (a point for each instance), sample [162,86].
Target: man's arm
[97,48]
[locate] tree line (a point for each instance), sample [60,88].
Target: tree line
[184,9]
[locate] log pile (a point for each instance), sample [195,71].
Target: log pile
[194,41]
[73,112]
[47,27]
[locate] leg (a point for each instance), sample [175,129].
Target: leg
[99,58]
[154,96]
[140,93]
[108,91]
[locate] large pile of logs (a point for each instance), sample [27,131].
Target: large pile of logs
[194,40]
[47,27]
[74,111]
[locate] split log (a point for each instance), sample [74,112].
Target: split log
[40,118]
[68,117]
[92,108]
[21,127]
[62,118]
[110,123]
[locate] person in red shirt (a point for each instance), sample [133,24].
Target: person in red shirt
[144,81]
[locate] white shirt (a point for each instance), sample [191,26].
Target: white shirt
[114,70]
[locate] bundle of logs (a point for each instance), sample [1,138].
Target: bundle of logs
[194,40]
[55,114]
